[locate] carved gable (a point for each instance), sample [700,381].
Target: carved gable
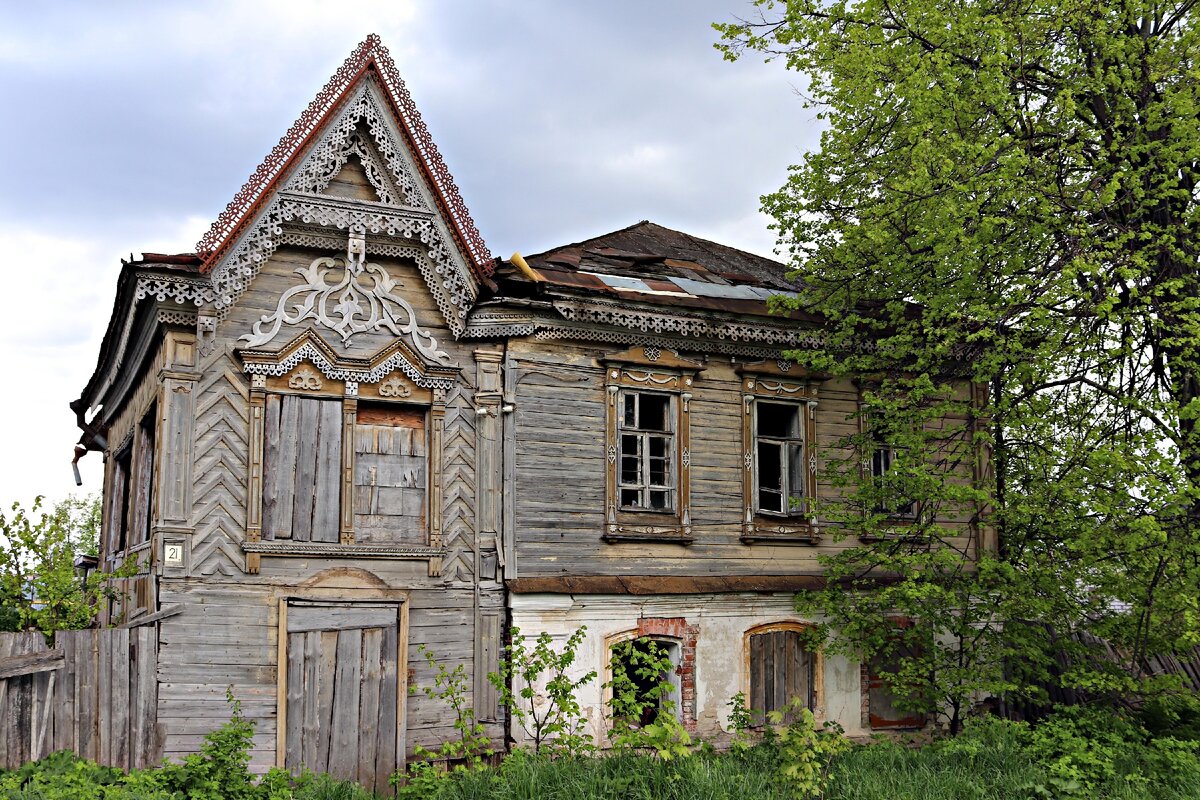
[357,177]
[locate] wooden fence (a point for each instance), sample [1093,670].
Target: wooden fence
[94,692]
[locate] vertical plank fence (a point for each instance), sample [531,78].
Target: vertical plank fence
[95,693]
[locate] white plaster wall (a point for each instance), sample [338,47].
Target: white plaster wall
[723,620]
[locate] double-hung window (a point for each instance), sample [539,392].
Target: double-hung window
[648,394]
[781,470]
[647,451]
[884,462]
[780,477]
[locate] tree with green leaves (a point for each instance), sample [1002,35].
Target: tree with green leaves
[39,587]
[1005,197]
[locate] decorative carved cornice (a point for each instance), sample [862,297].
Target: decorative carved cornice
[333,550]
[653,321]
[196,291]
[310,347]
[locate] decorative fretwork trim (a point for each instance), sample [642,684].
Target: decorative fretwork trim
[647,533]
[168,316]
[308,352]
[780,534]
[196,291]
[394,188]
[649,321]
[370,54]
[333,550]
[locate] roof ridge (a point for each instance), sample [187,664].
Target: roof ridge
[708,243]
[370,55]
[582,242]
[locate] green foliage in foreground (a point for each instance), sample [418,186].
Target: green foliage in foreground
[39,589]
[1074,754]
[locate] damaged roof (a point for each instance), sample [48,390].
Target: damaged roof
[653,264]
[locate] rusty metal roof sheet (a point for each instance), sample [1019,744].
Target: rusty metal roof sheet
[653,264]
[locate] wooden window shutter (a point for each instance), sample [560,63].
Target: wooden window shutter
[780,669]
[302,459]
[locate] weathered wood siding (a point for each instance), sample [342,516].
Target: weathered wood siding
[227,637]
[94,693]
[560,452]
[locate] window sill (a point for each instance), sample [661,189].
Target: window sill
[647,533]
[780,533]
[898,536]
[287,549]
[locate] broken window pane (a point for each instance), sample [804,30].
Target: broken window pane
[653,414]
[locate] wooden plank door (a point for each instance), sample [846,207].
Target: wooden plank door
[342,689]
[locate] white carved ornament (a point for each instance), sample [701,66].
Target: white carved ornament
[394,387]
[306,352]
[361,300]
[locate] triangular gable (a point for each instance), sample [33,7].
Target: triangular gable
[366,116]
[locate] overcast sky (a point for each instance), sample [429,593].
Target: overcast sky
[127,127]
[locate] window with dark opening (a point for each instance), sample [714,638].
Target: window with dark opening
[118,504]
[779,457]
[646,435]
[886,462]
[141,503]
[781,668]
[641,691]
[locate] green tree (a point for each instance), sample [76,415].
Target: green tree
[1005,197]
[39,588]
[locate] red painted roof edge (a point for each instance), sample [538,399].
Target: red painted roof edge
[370,54]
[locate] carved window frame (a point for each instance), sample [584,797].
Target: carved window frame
[872,444]
[771,526]
[392,389]
[649,370]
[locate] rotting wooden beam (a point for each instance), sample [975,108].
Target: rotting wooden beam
[30,663]
[148,619]
[666,584]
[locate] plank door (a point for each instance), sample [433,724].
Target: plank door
[342,690]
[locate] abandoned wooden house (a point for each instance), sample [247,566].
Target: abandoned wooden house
[342,432]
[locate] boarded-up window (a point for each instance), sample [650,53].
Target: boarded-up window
[390,475]
[302,460]
[141,501]
[781,668]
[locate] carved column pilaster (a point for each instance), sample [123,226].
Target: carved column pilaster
[254,488]
[488,399]
[176,426]
[437,424]
[349,418]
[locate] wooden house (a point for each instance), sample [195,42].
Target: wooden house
[342,432]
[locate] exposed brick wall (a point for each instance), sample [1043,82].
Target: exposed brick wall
[678,628]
